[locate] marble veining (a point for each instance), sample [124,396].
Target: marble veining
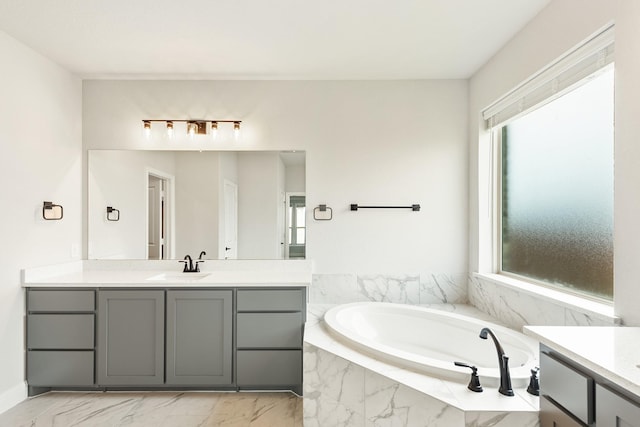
[388,403]
[443,289]
[518,309]
[402,289]
[153,409]
[424,288]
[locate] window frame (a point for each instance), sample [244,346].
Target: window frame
[552,81]
[496,195]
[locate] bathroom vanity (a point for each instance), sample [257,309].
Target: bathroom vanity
[589,376]
[146,330]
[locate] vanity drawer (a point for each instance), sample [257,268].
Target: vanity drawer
[60,331]
[271,300]
[61,300]
[269,368]
[552,416]
[270,330]
[568,387]
[60,368]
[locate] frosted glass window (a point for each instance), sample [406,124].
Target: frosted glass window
[557,191]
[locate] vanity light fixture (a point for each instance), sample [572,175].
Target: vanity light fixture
[194,127]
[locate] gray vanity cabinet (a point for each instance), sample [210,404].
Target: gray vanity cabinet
[199,337]
[614,410]
[130,348]
[269,337]
[223,338]
[60,338]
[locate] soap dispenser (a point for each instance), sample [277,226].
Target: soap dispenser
[474,383]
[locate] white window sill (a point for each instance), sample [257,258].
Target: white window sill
[589,307]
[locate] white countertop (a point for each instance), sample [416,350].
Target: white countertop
[162,274]
[611,352]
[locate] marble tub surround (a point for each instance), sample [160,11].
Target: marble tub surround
[517,304]
[343,387]
[425,288]
[155,409]
[141,273]
[610,352]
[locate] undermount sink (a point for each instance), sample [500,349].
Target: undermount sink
[183,277]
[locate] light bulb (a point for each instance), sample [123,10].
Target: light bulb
[170,129]
[191,129]
[214,130]
[146,128]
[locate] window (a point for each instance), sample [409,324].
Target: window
[554,141]
[297,227]
[557,191]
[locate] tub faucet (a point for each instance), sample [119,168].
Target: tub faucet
[503,364]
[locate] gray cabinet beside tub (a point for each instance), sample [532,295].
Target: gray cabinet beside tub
[270,325]
[573,396]
[232,338]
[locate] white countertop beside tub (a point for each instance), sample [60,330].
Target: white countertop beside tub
[449,392]
[609,351]
[141,274]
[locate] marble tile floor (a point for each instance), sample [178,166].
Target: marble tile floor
[156,409]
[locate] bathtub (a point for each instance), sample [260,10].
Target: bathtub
[429,341]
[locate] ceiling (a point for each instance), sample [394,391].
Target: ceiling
[274,39]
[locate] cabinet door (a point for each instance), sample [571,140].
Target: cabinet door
[199,337]
[613,410]
[130,337]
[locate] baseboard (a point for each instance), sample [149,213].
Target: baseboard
[13,396]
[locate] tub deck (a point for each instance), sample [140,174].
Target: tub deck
[342,382]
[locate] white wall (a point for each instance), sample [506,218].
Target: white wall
[295,179]
[119,179]
[40,159]
[559,27]
[367,142]
[197,188]
[258,191]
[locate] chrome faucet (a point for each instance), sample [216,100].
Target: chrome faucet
[503,364]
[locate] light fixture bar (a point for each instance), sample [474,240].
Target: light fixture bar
[194,126]
[189,120]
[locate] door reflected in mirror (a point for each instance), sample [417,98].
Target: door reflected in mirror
[232,205]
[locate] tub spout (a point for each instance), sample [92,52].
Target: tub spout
[503,363]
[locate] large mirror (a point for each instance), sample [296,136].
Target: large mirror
[166,204]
